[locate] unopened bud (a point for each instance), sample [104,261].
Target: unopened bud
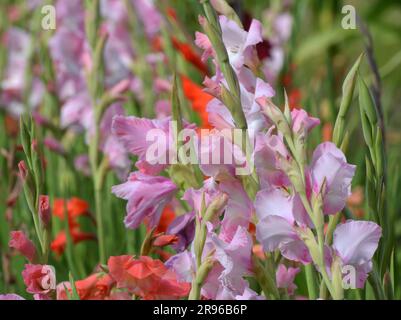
[215,207]
[44,210]
[23,170]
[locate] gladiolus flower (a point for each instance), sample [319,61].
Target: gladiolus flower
[330,171]
[355,242]
[147,278]
[147,196]
[199,99]
[189,54]
[95,287]
[44,210]
[285,278]
[10,296]
[39,279]
[75,208]
[20,242]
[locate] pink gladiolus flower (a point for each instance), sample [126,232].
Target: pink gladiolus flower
[330,171]
[355,242]
[238,42]
[285,278]
[20,242]
[147,196]
[10,296]
[302,123]
[279,214]
[39,279]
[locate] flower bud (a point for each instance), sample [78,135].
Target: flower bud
[23,170]
[44,210]
[20,242]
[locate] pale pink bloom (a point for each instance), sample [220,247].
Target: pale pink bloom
[285,278]
[218,156]
[39,279]
[220,116]
[54,145]
[238,42]
[355,242]
[270,155]
[137,135]
[110,144]
[331,172]
[302,123]
[132,132]
[163,109]
[279,215]
[78,112]
[184,266]
[147,196]
[225,281]
[10,296]
[82,164]
[208,192]
[149,15]
[20,242]
[238,211]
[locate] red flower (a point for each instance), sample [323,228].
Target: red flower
[168,215]
[75,208]
[189,55]
[59,243]
[95,287]
[198,98]
[148,278]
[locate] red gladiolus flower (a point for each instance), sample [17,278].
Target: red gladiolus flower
[148,278]
[75,207]
[77,236]
[189,55]
[95,287]
[168,215]
[198,98]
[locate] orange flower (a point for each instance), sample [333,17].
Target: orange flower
[75,207]
[189,55]
[77,236]
[145,277]
[95,287]
[168,215]
[198,98]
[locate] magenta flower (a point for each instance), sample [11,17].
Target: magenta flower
[355,242]
[147,196]
[20,242]
[39,279]
[285,278]
[279,217]
[329,170]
